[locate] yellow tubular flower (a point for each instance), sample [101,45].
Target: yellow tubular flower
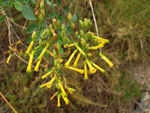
[106,60]
[70,89]
[30,47]
[62,88]
[70,58]
[92,69]
[30,62]
[37,66]
[101,39]
[44,76]
[77,59]
[8,59]
[70,45]
[50,53]
[96,66]
[65,99]
[96,47]
[85,70]
[53,96]
[58,99]
[48,84]
[79,49]
[42,53]
[75,69]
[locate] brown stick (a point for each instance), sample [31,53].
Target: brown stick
[8,103]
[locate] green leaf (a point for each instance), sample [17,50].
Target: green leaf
[29,40]
[61,51]
[34,1]
[74,18]
[28,13]
[61,18]
[67,8]
[18,6]
[54,14]
[2,18]
[49,69]
[60,42]
[31,28]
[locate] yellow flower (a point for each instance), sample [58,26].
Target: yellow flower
[75,69]
[106,60]
[37,66]
[81,51]
[101,39]
[29,48]
[70,58]
[77,59]
[42,53]
[65,99]
[44,76]
[53,96]
[70,45]
[96,47]
[8,59]
[96,66]
[48,84]
[62,88]
[92,69]
[85,70]
[30,62]
[58,99]
[70,89]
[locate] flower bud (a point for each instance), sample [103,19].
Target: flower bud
[72,25]
[54,21]
[38,2]
[37,12]
[48,32]
[43,12]
[83,42]
[42,4]
[76,34]
[40,19]
[81,23]
[89,22]
[69,17]
[82,33]
[63,27]
[43,34]
[58,24]
[86,23]
[40,42]
[68,40]
[33,36]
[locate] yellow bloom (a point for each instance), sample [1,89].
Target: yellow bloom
[44,76]
[92,69]
[30,62]
[81,51]
[85,71]
[29,48]
[58,99]
[96,47]
[53,96]
[96,66]
[42,53]
[101,39]
[70,58]
[75,69]
[70,89]
[48,84]
[62,88]
[77,59]
[106,60]
[37,66]
[65,99]
[8,59]
[70,45]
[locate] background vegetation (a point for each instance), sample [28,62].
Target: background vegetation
[125,23]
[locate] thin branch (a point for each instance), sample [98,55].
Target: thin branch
[94,21]
[8,102]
